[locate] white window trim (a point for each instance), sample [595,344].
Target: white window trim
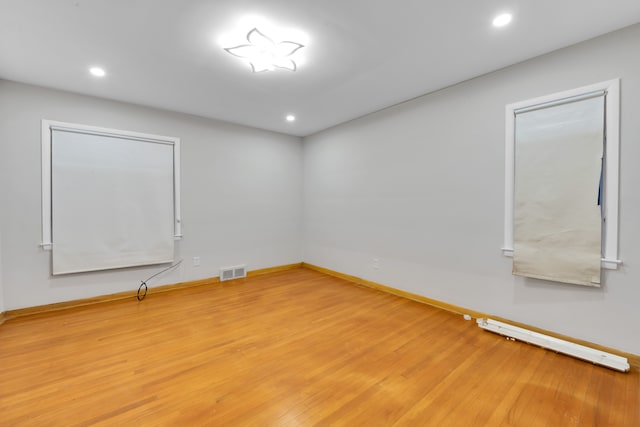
[612,159]
[48,125]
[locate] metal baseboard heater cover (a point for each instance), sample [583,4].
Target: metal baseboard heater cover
[598,357]
[230,273]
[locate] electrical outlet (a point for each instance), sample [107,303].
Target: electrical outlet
[375,264]
[196,261]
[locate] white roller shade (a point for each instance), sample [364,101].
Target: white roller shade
[557,219]
[112,201]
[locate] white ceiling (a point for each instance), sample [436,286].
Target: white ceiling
[360,55]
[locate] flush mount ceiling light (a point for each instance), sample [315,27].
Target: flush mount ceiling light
[291,118]
[264,54]
[502,20]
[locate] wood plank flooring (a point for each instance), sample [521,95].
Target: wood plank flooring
[295,348]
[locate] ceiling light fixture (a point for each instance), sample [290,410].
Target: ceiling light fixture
[264,54]
[97,71]
[291,118]
[502,20]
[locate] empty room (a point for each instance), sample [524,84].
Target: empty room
[329,213]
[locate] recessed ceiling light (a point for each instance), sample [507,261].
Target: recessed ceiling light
[291,118]
[97,71]
[502,20]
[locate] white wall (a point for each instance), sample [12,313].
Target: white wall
[420,187]
[241,194]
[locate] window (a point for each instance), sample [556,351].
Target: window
[611,92]
[110,198]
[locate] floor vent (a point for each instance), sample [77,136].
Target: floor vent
[230,273]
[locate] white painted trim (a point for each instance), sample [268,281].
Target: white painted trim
[509,176]
[507,252]
[176,190]
[49,125]
[612,164]
[566,347]
[612,174]
[46,185]
[610,264]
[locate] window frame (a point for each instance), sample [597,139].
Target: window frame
[46,140]
[611,88]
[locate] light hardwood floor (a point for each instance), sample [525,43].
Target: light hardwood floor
[295,348]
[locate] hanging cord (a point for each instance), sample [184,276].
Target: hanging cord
[140,295]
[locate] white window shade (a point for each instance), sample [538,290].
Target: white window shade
[610,90]
[557,217]
[113,198]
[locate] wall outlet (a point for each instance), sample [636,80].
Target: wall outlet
[375,264]
[196,261]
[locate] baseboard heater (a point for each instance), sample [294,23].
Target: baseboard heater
[598,357]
